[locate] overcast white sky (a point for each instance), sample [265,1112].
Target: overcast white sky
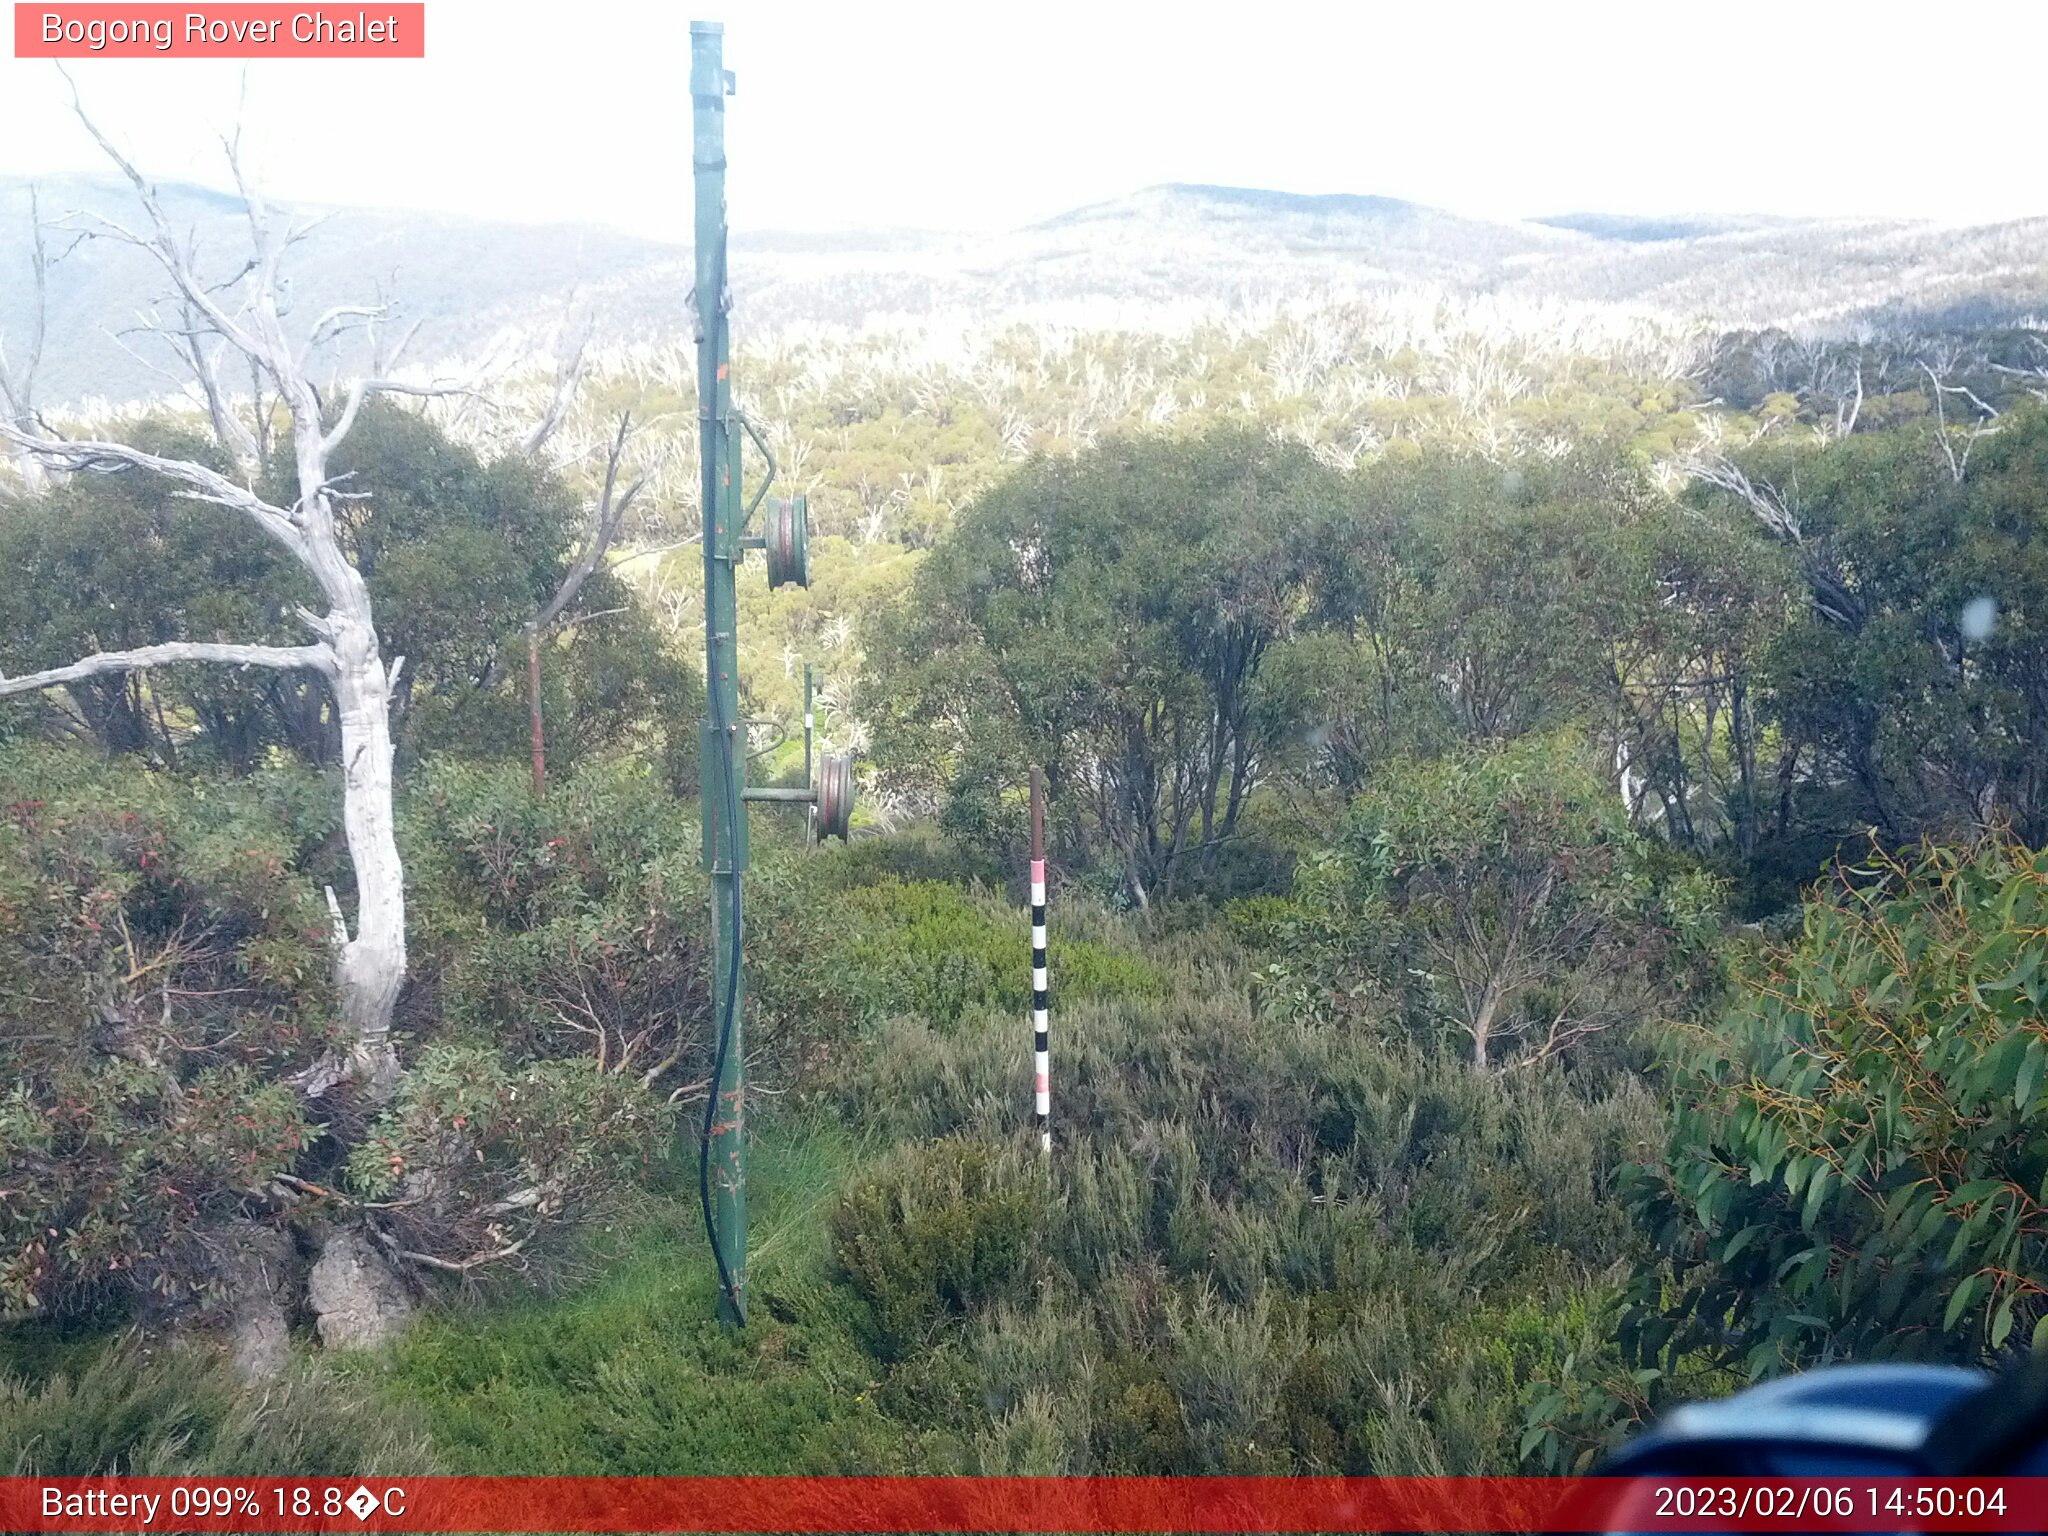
[981,113]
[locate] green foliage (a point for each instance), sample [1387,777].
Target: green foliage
[631,1376]
[109,562]
[934,950]
[931,1233]
[162,969]
[1470,730]
[912,855]
[483,1149]
[576,927]
[569,926]
[1116,609]
[1497,894]
[1855,1166]
[1261,1246]
[1921,722]
[136,1410]
[164,972]
[458,555]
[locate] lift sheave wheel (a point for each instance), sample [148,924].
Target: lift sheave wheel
[788,541]
[835,795]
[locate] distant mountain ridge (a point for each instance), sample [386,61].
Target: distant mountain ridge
[1258,200]
[1156,256]
[1638,228]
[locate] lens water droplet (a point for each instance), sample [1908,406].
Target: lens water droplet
[1980,617]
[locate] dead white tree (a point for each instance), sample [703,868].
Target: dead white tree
[2033,379]
[1776,513]
[370,962]
[1958,463]
[18,375]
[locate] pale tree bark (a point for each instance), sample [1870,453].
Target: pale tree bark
[370,962]
[568,377]
[1833,597]
[18,373]
[1958,463]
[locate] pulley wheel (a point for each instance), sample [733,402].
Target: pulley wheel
[788,540]
[835,796]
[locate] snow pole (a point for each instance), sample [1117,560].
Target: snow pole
[1041,1050]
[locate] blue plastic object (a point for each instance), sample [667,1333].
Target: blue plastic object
[1872,1419]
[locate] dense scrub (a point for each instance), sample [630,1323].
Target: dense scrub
[163,955]
[133,1411]
[1421,1104]
[1263,1246]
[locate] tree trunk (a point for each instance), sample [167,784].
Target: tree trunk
[371,964]
[1482,1026]
[540,740]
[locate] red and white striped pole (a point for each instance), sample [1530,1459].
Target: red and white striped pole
[1041,1053]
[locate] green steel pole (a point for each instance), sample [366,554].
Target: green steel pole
[722,1144]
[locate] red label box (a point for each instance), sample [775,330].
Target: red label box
[983,1506]
[377,30]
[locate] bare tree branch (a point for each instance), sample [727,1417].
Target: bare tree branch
[1832,595]
[1958,464]
[18,386]
[1761,497]
[659,549]
[168,250]
[227,426]
[568,376]
[610,511]
[97,456]
[362,389]
[316,657]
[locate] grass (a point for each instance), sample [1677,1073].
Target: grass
[633,1377]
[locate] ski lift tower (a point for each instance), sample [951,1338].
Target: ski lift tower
[785,540]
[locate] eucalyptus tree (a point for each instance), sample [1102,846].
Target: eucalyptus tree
[1107,616]
[244,317]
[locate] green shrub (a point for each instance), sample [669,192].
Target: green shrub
[163,967]
[944,954]
[918,854]
[1495,901]
[1857,1160]
[486,1153]
[165,970]
[577,926]
[164,1411]
[931,1233]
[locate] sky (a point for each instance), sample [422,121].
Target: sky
[984,114]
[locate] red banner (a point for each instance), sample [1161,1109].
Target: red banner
[993,1504]
[232,31]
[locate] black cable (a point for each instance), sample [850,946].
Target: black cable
[732,992]
[721,727]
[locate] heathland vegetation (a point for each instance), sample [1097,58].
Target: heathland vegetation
[1546,920]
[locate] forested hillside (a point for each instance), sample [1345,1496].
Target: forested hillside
[1546,809]
[488,296]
